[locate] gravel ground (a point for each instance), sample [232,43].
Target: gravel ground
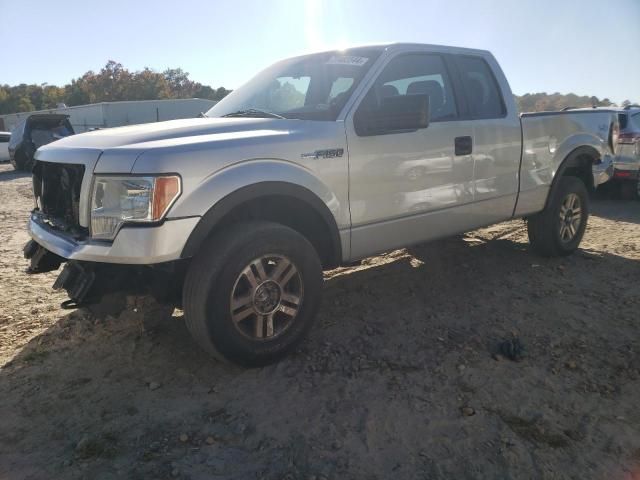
[398,379]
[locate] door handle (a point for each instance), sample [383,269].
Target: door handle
[463,145]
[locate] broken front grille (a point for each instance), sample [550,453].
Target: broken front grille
[56,187]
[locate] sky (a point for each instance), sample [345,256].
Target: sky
[588,47]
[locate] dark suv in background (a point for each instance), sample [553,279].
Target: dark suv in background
[32,133]
[627,162]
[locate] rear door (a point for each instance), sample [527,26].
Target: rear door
[410,186]
[496,131]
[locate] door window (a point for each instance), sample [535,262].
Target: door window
[415,74]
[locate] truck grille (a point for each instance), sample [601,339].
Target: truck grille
[56,187]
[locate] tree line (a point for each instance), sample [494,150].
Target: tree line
[114,82]
[540,102]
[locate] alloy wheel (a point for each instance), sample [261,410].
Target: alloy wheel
[570,217]
[266,297]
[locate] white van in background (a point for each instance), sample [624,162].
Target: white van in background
[4,146]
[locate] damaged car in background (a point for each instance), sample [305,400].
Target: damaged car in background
[318,161]
[626,171]
[34,132]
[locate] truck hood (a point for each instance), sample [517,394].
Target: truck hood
[140,136]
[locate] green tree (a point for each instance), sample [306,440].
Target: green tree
[52,96]
[25,105]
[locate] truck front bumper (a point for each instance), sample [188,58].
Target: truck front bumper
[137,245]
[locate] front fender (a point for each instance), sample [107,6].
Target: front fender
[234,177]
[219,193]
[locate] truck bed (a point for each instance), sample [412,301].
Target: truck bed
[548,138]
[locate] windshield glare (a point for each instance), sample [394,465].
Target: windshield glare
[313,87]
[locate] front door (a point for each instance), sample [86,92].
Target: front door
[407,187]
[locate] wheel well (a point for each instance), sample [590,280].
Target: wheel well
[581,167]
[579,163]
[280,202]
[292,212]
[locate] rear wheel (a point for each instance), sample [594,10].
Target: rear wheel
[559,228]
[251,294]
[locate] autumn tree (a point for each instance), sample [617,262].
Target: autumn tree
[112,83]
[538,102]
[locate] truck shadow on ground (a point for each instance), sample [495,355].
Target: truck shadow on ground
[617,210]
[607,202]
[381,367]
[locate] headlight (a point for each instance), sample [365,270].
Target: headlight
[119,200]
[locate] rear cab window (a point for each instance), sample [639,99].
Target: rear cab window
[484,98]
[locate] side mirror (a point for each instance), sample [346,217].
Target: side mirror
[400,113]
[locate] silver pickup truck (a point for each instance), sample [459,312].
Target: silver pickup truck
[318,161]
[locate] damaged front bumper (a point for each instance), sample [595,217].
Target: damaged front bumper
[88,282]
[136,245]
[140,260]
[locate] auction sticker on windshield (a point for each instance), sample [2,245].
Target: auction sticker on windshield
[347,60]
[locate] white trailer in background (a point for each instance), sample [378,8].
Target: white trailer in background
[4,146]
[117,114]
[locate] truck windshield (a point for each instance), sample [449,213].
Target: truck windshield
[312,87]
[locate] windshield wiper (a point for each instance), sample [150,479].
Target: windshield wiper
[253,112]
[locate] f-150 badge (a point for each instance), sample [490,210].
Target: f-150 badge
[330,153]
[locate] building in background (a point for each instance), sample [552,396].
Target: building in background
[117,114]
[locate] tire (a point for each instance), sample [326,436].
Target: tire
[548,234]
[18,162]
[268,326]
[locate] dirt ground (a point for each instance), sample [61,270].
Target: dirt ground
[397,379]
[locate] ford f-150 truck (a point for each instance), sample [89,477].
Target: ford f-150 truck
[318,161]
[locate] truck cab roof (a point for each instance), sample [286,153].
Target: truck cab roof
[395,46]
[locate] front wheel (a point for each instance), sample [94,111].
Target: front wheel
[251,294]
[559,228]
